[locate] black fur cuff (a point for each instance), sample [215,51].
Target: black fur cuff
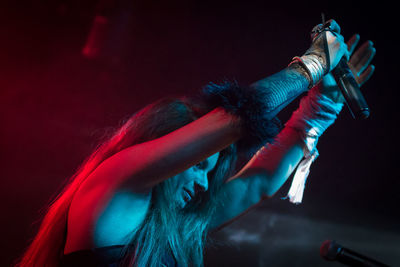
[252,107]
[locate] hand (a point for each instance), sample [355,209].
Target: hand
[336,45]
[359,62]
[359,65]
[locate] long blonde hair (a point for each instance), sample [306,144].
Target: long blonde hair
[153,121]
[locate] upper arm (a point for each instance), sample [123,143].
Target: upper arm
[238,196]
[144,165]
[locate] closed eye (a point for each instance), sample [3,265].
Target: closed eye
[202,165]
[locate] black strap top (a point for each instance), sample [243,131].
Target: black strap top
[97,257]
[103,257]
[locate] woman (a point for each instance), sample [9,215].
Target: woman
[148,196]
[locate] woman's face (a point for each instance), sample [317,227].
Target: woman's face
[191,182]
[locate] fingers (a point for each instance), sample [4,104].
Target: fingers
[362,57]
[366,75]
[352,43]
[315,31]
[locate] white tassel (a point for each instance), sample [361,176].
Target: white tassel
[296,190]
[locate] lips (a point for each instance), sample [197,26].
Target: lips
[189,193]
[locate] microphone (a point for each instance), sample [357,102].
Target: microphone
[332,251]
[351,90]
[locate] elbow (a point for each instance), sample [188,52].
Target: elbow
[262,188]
[269,192]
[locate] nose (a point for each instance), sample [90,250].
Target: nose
[201,183]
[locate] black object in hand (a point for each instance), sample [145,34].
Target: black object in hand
[351,90]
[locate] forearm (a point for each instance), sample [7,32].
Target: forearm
[294,76]
[275,162]
[281,88]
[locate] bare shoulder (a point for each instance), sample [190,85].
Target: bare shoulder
[120,218]
[101,217]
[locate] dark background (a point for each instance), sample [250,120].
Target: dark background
[56,105]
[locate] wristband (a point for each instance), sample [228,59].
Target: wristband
[313,67]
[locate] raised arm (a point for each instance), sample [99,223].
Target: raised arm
[144,165]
